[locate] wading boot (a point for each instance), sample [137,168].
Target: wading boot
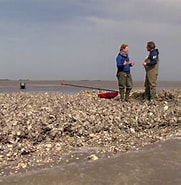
[121,92]
[152,94]
[127,97]
[147,94]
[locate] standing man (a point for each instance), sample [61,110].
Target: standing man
[151,67]
[124,77]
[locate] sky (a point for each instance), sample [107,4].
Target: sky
[80,39]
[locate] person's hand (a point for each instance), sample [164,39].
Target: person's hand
[132,63]
[144,63]
[128,63]
[125,63]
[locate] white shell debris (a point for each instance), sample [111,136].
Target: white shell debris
[37,129]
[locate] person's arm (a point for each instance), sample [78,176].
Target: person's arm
[120,61]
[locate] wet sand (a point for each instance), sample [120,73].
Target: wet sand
[158,164]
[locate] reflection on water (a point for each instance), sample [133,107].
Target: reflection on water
[159,164]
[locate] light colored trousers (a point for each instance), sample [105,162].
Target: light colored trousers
[151,81]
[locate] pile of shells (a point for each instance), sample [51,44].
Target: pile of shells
[38,129]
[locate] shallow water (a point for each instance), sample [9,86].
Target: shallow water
[38,88]
[158,164]
[10,86]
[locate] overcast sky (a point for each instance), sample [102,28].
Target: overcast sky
[80,39]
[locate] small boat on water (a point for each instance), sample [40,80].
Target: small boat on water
[108,95]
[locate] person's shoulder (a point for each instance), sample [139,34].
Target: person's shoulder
[119,55]
[155,52]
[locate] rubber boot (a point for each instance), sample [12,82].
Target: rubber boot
[152,94]
[147,94]
[121,92]
[127,97]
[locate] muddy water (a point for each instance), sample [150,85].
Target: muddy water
[158,164]
[11,86]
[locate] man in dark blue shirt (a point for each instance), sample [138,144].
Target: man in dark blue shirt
[151,67]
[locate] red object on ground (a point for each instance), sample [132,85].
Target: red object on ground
[108,95]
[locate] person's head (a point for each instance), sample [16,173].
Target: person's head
[124,48]
[150,45]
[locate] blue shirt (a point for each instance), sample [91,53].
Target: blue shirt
[120,59]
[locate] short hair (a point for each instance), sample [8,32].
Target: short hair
[123,46]
[151,45]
